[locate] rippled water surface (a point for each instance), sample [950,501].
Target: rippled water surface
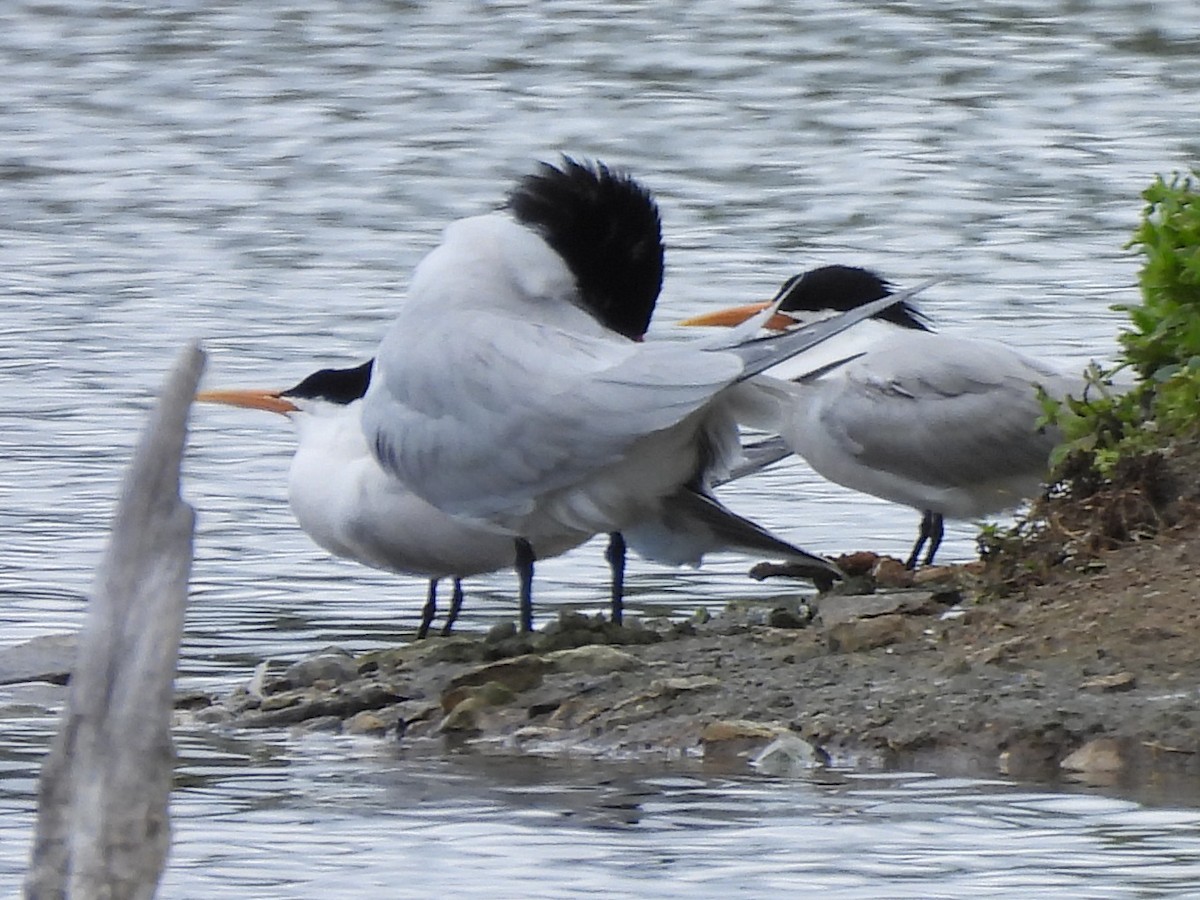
[263,177]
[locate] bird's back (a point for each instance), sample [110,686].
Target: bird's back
[932,421]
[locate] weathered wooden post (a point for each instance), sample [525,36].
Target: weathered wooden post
[102,827]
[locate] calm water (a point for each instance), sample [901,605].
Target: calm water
[264,176]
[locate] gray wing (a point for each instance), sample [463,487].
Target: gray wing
[942,411]
[480,419]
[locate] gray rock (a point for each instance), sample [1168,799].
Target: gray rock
[331,665]
[596,659]
[367,722]
[294,707]
[519,674]
[465,717]
[782,617]
[211,715]
[789,755]
[501,631]
[47,658]
[835,610]
[1111,684]
[868,634]
[1099,755]
[323,725]
[670,687]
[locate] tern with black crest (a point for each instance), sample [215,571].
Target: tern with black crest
[950,426]
[352,508]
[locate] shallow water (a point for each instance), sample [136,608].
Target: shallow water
[268,817]
[263,177]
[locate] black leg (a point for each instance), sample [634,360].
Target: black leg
[524,567]
[456,602]
[922,537]
[429,611]
[615,554]
[937,527]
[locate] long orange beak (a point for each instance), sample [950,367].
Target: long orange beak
[250,399]
[736,315]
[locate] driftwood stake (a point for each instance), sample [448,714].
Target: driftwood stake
[102,827]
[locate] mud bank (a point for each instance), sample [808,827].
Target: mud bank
[1092,676]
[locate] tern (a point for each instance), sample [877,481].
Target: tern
[349,506]
[511,392]
[352,508]
[949,426]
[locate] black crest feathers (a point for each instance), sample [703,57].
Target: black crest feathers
[606,228]
[843,288]
[341,386]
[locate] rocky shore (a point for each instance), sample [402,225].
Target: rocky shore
[1092,676]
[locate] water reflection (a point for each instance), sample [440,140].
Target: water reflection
[456,822]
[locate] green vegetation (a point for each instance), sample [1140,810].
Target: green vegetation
[1162,347]
[1126,468]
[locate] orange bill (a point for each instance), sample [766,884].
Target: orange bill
[736,315]
[271,401]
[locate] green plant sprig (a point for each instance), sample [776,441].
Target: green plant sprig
[1162,345]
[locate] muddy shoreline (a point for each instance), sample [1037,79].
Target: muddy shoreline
[1092,677]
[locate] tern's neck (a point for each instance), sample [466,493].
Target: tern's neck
[333,431]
